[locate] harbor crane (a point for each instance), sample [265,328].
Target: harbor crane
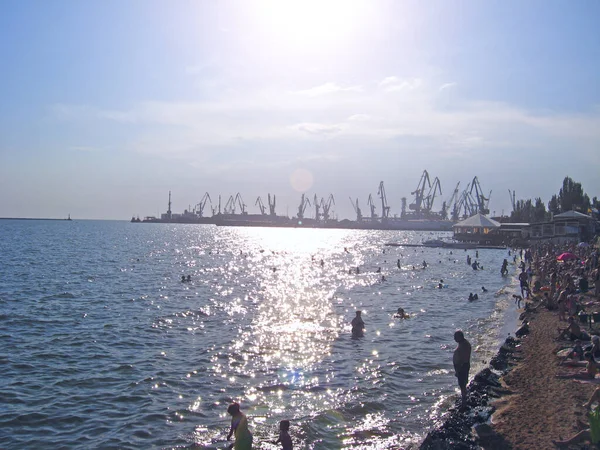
[480,200]
[356,210]
[385,209]
[271,204]
[450,204]
[240,201]
[512,200]
[317,206]
[261,206]
[371,205]
[303,203]
[419,193]
[230,205]
[436,187]
[326,206]
[199,208]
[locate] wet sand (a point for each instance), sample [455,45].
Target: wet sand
[541,407]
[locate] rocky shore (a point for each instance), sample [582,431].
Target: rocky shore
[467,428]
[517,402]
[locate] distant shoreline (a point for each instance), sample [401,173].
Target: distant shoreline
[31,218]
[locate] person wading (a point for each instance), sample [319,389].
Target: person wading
[462,364]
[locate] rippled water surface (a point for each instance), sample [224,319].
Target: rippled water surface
[103,346]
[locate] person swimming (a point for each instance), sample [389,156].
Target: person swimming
[483,289]
[400,314]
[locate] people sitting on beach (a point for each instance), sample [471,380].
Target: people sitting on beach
[589,373]
[575,354]
[358,326]
[583,284]
[595,398]
[400,314]
[595,347]
[583,436]
[573,331]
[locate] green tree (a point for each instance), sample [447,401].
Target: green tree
[572,197]
[539,211]
[553,205]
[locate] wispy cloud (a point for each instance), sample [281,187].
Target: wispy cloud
[326,89]
[318,129]
[239,117]
[447,86]
[392,84]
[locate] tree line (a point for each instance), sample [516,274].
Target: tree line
[571,197]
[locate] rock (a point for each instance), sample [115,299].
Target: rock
[523,331]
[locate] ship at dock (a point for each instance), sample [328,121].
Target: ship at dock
[417,215]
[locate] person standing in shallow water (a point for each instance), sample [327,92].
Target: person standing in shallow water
[358,326]
[462,363]
[239,429]
[284,435]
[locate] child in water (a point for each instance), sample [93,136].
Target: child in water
[284,435]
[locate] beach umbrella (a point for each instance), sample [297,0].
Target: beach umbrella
[583,244]
[567,256]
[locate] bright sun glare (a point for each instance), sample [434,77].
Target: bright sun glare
[309,23]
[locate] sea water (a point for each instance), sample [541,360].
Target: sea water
[102,345]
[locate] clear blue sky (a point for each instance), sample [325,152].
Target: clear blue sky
[106,106]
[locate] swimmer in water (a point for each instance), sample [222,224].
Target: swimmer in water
[483,289]
[358,325]
[284,435]
[400,314]
[183,278]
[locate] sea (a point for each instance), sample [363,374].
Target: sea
[102,346]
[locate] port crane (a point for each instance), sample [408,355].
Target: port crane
[371,205]
[302,207]
[450,204]
[385,209]
[326,206]
[356,210]
[229,207]
[261,206]
[240,202]
[317,206]
[271,204]
[419,193]
[512,200]
[436,187]
[480,200]
[199,208]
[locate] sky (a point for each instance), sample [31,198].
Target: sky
[107,106]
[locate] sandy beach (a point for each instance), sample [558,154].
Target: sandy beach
[519,402]
[541,407]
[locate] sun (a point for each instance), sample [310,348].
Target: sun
[309,23]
